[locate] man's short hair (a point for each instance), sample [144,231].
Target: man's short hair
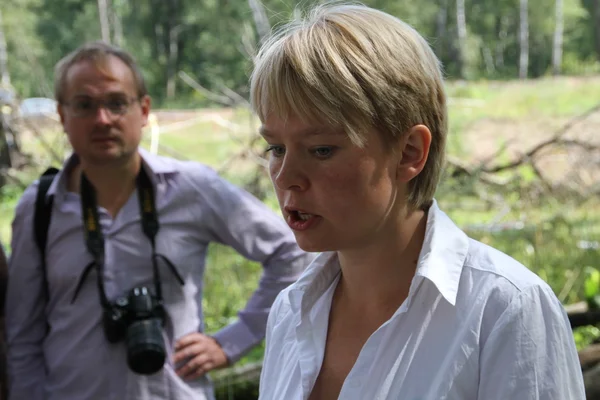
[356,68]
[96,52]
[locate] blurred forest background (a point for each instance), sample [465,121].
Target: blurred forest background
[523,81]
[212,40]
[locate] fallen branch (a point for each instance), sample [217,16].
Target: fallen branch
[590,356]
[556,139]
[591,381]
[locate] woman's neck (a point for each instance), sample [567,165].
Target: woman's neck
[379,275]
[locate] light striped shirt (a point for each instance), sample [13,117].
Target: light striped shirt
[74,361]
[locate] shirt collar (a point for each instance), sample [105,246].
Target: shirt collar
[443,254]
[156,165]
[314,281]
[441,261]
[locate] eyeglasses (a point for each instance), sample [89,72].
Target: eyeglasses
[87,106]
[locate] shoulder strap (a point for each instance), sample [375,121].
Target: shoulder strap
[43,211]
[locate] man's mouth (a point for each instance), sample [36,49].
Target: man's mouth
[104,139]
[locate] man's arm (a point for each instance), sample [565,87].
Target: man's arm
[531,353]
[256,232]
[3,280]
[26,325]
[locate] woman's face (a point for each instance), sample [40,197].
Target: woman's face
[334,194]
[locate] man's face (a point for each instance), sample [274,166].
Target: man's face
[101,112]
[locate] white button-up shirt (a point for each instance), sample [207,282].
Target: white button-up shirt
[476,325]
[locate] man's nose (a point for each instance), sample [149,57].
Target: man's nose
[103,116]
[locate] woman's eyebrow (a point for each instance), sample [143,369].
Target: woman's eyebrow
[310,131]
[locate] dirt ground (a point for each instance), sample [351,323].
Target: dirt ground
[559,163]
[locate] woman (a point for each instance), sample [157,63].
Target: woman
[401,304]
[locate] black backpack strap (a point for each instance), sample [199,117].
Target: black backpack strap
[43,212]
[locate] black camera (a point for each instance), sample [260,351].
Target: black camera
[138,318]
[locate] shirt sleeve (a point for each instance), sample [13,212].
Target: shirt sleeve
[3,280]
[25,305]
[530,353]
[246,224]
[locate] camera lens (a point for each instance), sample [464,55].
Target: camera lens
[145,346]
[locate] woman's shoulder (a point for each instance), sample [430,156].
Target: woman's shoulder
[501,284]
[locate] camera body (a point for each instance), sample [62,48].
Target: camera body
[138,318]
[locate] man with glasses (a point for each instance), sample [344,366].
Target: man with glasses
[3,272]
[111,306]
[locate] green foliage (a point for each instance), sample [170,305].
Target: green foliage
[592,287]
[213,40]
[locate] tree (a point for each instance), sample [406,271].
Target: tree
[558,38]
[461,29]
[4,73]
[523,39]
[104,23]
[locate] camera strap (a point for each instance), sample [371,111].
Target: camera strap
[94,237]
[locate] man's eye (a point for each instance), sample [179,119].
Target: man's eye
[83,105]
[277,151]
[116,105]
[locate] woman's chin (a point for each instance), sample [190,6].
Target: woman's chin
[313,246]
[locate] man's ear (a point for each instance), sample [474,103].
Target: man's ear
[61,113]
[145,103]
[414,150]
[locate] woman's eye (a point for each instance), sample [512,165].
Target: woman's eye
[277,151]
[323,151]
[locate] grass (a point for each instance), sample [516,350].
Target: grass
[548,244]
[510,101]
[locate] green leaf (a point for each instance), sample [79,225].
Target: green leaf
[592,283]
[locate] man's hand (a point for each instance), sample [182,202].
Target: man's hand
[201,353]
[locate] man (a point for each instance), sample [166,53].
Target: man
[3,272]
[67,344]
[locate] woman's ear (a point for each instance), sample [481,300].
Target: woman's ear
[414,150]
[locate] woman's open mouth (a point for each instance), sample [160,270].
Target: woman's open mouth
[301,221]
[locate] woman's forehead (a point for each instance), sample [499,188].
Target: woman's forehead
[293,125]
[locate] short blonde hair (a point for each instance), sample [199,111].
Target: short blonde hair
[357,68]
[96,52]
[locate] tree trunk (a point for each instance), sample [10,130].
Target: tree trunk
[115,19]
[263,27]
[174,28]
[441,25]
[558,39]
[461,28]
[4,74]
[596,25]
[488,60]
[523,39]
[104,24]
[502,29]
[173,60]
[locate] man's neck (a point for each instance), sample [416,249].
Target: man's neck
[114,183]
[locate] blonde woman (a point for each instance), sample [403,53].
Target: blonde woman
[401,304]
